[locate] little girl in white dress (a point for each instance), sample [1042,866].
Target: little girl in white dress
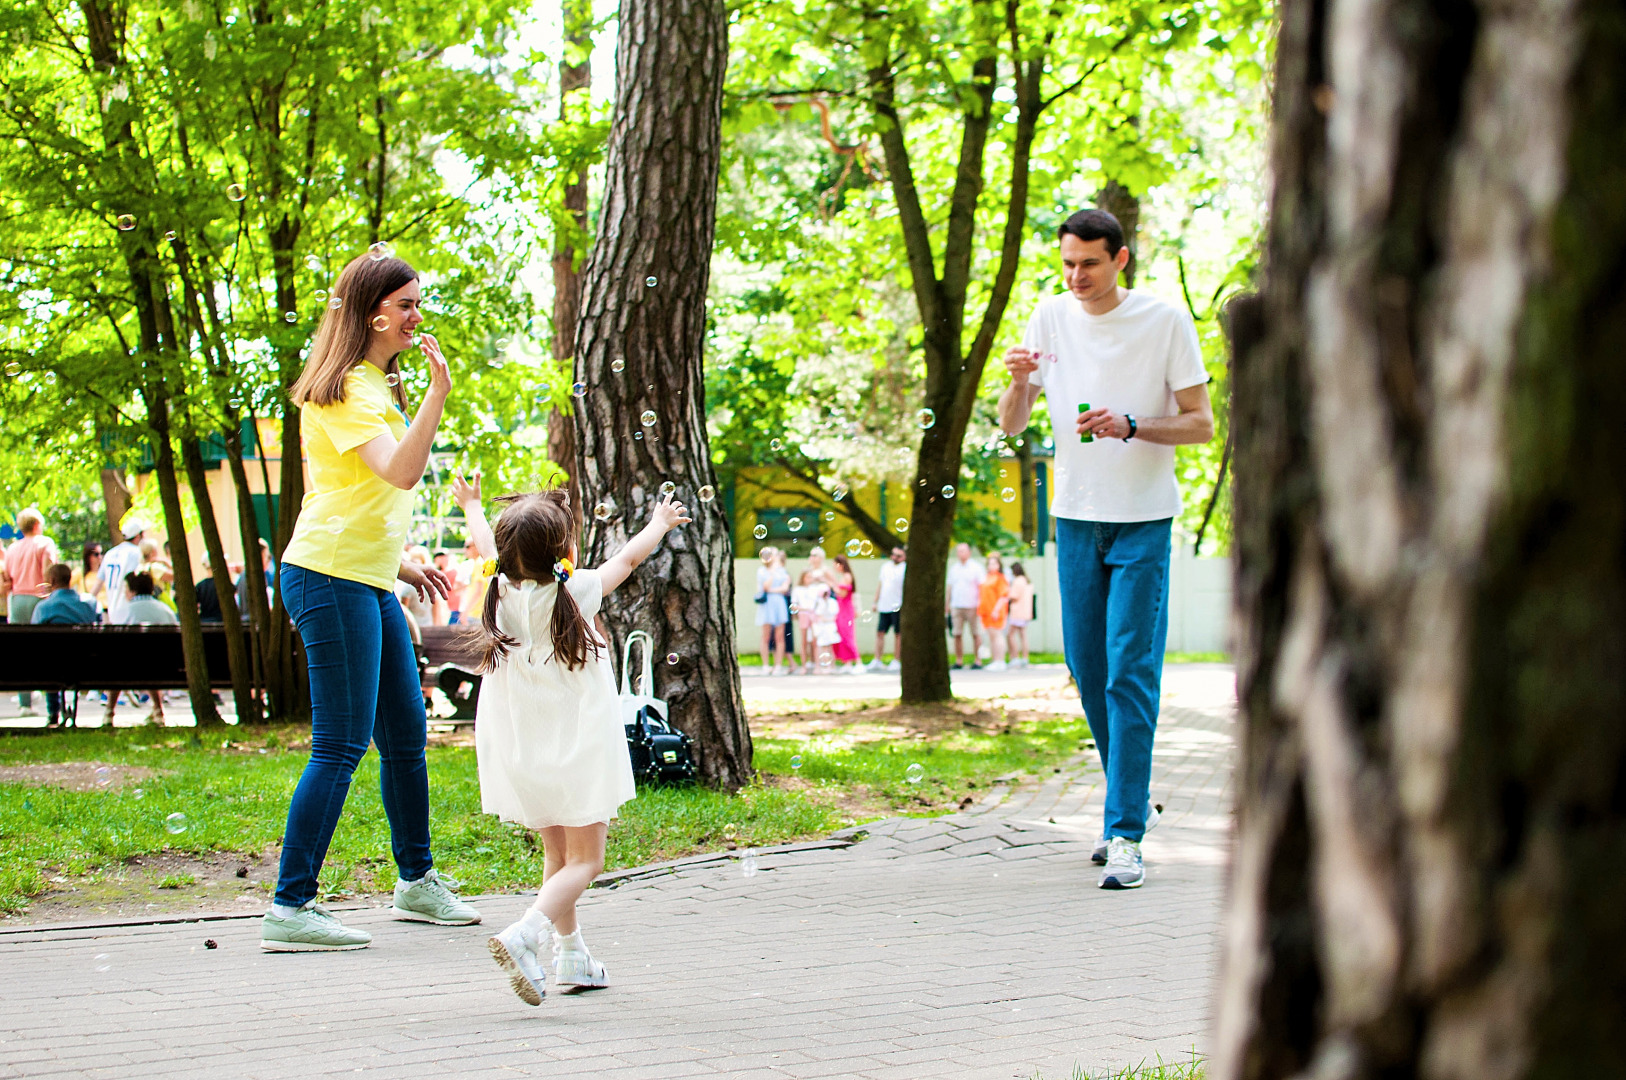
[551,747]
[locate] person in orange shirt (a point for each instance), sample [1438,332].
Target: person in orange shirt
[993,599]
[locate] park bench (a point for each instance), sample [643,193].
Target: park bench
[76,658]
[449,656]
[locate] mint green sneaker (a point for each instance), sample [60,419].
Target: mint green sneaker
[310,929]
[431,901]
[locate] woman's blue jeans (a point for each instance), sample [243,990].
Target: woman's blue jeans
[364,688]
[1114,580]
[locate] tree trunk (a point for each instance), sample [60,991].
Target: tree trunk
[644,293]
[116,496]
[575,77]
[237,658]
[285,676]
[1122,204]
[1430,510]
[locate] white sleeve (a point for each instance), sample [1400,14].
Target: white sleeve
[587,589]
[1185,362]
[1036,339]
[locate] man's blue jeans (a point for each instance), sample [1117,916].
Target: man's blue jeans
[1114,579]
[364,688]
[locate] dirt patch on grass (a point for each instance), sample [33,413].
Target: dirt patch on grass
[76,775]
[167,883]
[876,723]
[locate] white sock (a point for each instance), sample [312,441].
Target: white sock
[571,942]
[535,927]
[282,911]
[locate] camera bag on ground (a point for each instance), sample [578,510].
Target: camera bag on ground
[660,753]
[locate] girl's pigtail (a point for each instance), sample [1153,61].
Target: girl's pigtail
[497,643]
[574,642]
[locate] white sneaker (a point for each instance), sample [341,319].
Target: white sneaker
[1124,869]
[855,669]
[997,665]
[516,953]
[574,968]
[1154,814]
[894,666]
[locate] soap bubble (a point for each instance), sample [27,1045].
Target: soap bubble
[1007,495]
[236,192]
[579,389]
[175,824]
[925,418]
[502,344]
[852,548]
[776,445]
[901,525]
[706,493]
[13,369]
[618,365]
[671,659]
[948,491]
[730,831]
[796,761]
[336,303]
[313,264]
[602,511]
[126,222]
[915,773]
[102,962]
[393,529]
[638,436]
[866,548]
[104,776]
[335,525]
[760,532]
[392,379]
[650,282]
[290,316]
[794,524]
[866,616]
[169,237]
[379,251]
[140,794]
[829,515]
[668,488]
[648,418]
[748,864]
[321,294]
[381,322]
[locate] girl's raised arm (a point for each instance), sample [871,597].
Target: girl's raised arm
[467,498]
[667,516]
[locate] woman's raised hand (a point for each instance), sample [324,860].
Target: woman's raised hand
[440,373]
[669,513]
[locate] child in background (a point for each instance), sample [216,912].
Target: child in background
[826,631]
[993,598]
[804,602]
[1021,613]
[551,748]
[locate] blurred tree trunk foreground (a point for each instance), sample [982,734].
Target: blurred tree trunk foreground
[1430,527]
[644,424]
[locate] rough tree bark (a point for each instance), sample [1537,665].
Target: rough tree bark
[1124,205]
[1430,521]
[644,293]
[237,655]
[575,78]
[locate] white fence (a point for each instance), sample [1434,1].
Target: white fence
[1199,602]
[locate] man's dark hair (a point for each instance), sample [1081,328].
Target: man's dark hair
[59,576]
[139,583]
[1090,225]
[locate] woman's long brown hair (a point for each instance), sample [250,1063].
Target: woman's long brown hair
[345,331]
[532,533]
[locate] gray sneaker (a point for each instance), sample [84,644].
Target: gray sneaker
[310,929]
[431,901]
[1124,869]
[1154,814]
[516,954]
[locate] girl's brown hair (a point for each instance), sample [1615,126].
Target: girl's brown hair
[345,331]
[534,532]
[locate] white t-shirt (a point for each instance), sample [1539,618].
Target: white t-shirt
[1130,360]
[965,582]
[891,595]
[123,559]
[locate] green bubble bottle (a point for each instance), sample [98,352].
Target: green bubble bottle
[1084,406]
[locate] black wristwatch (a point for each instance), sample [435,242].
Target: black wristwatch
[1132,427]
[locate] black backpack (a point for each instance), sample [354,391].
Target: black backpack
[660,753]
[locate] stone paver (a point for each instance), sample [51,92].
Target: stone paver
[972,946]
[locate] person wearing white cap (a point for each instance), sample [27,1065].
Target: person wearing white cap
[124,559]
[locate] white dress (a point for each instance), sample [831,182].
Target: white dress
[550,742]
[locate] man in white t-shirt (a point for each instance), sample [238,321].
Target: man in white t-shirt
[124,559]
[1125,382]
[965,577]
[888,605]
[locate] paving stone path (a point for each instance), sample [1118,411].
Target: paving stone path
[970,946]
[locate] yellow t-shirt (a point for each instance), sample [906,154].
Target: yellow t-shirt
[353,523]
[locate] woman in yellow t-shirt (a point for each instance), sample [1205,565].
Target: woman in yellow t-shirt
[337,579]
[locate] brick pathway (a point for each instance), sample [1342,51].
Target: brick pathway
[969,946]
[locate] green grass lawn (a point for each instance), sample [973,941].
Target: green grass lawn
[1191,1069]
[232,797]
